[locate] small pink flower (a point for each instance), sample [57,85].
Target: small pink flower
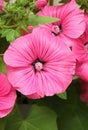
[84,94]
[41,3]
[70,24]
[7,96]
[38,66]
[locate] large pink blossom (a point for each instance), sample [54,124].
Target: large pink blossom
[37,66]
[70,24]
[41,3]
[7,96]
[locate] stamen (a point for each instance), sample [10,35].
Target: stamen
[56,29]
[38,65]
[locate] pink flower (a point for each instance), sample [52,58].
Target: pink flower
[1,5]
[7,96]
[81,52]
[70,24]
[37,66]
[41,3]
[81,70]
[86,31]
[84,94]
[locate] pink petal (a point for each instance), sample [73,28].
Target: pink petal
[5,86]
[20,56]
[79,51]
[7,96]
[23,79]
[7,103]
[74,24]
[81,70]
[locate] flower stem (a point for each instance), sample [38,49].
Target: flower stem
[11,26]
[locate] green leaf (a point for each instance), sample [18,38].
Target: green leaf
[23,25]
[35,20]
[11,34]
[23,2]
[3,45]
[39,118]
[2,21]
[62,95]
[12,7]
[74,117]
[2,65]
[42,118]
[72,113]
[83,4]
[2,123]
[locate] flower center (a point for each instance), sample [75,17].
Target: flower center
[38,65]
[86,48]
[56,29]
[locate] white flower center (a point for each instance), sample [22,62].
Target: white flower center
[38,66]
[56,29]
